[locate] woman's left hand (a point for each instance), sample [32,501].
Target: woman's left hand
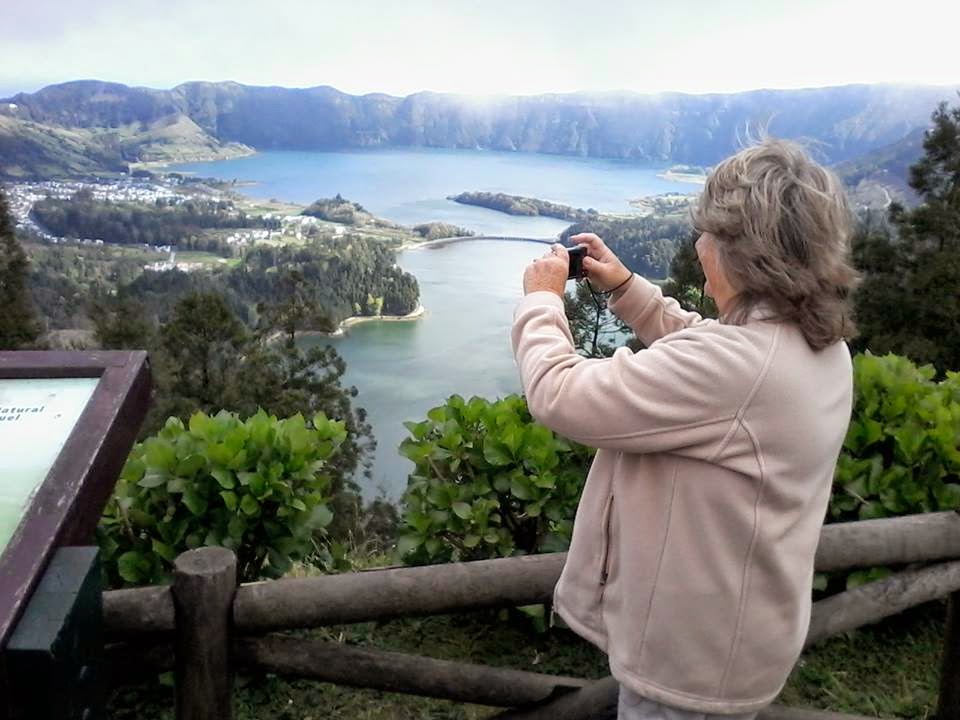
[548,272]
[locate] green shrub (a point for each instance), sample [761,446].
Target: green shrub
[255,486]
[902,451]
[901,454]
[488,482]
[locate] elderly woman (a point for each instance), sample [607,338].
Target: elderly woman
[691,561]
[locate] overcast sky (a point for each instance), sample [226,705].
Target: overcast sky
[482,47]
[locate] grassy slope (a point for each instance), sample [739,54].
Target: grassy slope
[32,150]
[29,150]
[175,138]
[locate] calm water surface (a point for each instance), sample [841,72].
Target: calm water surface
[410,186]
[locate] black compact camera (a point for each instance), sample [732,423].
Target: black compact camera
[576,254]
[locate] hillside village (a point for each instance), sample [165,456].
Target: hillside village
[167,189]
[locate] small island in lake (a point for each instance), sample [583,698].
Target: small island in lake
[519,205]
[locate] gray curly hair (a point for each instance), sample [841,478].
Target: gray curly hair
[783,231]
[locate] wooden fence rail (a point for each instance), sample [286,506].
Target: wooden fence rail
[889,541]
[406,592]
[437,589]
[398,672]
[209,638]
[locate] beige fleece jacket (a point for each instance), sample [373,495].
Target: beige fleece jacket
[691,562]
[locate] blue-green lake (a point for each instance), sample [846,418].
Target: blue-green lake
[469,289]
[412,186]
[461,345]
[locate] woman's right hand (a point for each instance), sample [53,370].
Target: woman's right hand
[603,268]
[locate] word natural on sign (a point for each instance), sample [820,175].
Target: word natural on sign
[12,413]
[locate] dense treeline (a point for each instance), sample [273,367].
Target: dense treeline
[339,210]
[136,224]
[520,205]
[64,277]
[646,245]
[345,276]
[440,230]
[18,322]
[330,278]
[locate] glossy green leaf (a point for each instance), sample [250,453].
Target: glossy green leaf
[133,566]
[249,505]
[229,499]
[194,502]
[153,479]
[224,477]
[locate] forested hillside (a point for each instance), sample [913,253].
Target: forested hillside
[137,224]
[329,279]
[127,124]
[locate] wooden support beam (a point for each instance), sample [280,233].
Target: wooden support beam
[889,541]
[204,583]
[138,611]
[597,701]
[397,672]
[880,599]
[428,590]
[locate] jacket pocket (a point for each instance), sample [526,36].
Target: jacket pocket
[605,552]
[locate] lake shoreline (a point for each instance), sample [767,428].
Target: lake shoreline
[419,312]
[412,184]
[229,153]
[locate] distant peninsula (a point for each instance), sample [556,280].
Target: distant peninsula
[519,205]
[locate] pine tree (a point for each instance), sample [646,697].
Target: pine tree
[19,328]
[909,302]
[686,280]
[120,323]
[202,342]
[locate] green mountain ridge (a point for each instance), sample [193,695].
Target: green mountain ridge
[886,168]
[197,120]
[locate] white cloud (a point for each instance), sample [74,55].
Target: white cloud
[491,47]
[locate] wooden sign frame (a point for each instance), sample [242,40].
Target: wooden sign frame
[68,503]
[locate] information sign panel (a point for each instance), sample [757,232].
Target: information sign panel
[36,418]
[68,422]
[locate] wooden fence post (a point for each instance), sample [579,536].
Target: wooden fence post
[948,704]
[204,583]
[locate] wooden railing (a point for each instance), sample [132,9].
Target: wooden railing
[203,623]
